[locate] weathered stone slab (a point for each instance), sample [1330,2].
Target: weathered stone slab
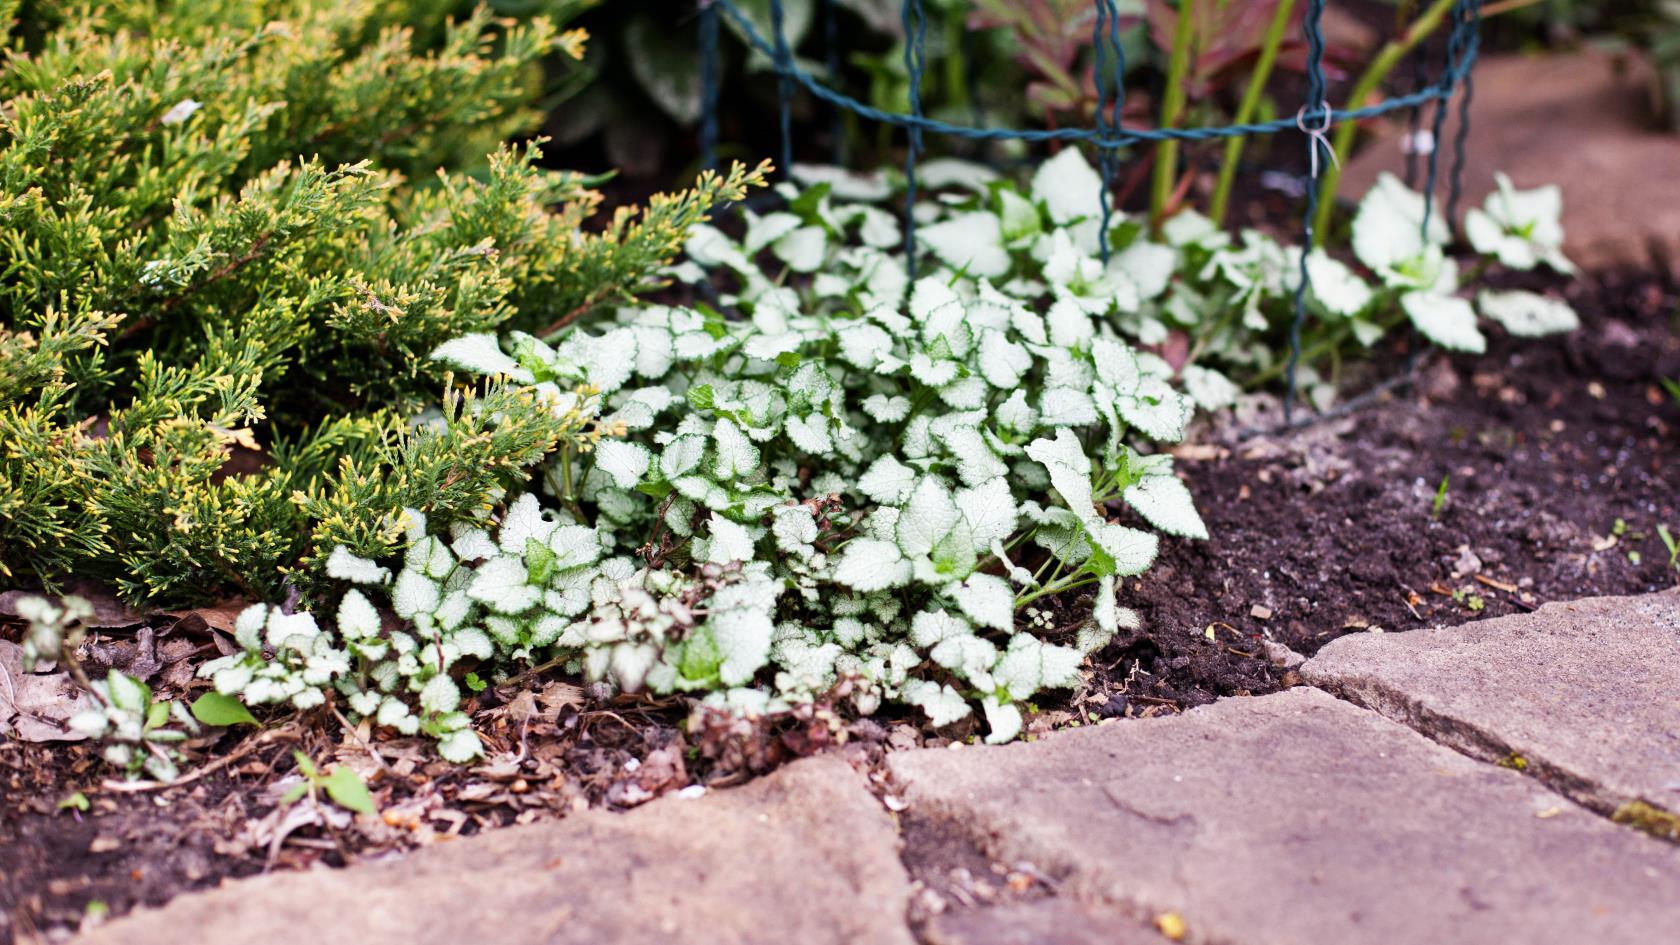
[1299,818]
[1055,921]
[1582,120]
[1584,695]
[806,855]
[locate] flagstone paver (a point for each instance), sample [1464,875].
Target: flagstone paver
[806,855]
[1300,818]
[1584,695]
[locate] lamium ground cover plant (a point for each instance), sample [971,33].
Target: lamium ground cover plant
[790,506]
[1214,307]
[854,484]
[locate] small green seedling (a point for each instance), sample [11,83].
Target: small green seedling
[1440,496]
[76,801]
[1673,388]
[1672,544]
[343,786]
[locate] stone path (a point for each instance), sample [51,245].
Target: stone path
[1375,818]
[1582,120]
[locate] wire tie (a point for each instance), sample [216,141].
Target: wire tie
[1318,135]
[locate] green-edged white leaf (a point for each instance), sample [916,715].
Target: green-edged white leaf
[928,516]
[1031,664]
[127,693]
[1131,550]
[1003,362]
[940,173]
[460,747]
[990,511]
[1210,389]
[794,528]
[803,250]
[682,455]
[743,637]
[1069,324]
[525,520]
[480,354]
[987,600]
[1117,365]
[574,546]
[864,343]
[414,593]
[884,409]
[1070,471]
[767,229]
[976,462]
[930,627]
[1156,410]
[810,433]
[929,295]
[1066,407]
[1335,286]
[471,544]
[844,184]
[608,361]
[500,584]
[729,542]
[1388,227]
[357,619]
[440,694]
[1446,320]
[1067,186]
[887,481]
[1003,720]
[625,462]
[344,566]
[1018,217]
[736,455]
[430,556]
[472,641]
[870,564]
[1149,266]
[1528,314]
[1165,503]
[970,243]
[970,657]
[941,704]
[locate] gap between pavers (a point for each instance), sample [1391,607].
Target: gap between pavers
[806,856]
[1583,695]
[1300,818]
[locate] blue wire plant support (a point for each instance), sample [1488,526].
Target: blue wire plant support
[1108,136]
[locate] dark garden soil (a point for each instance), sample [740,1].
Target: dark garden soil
[1561,458]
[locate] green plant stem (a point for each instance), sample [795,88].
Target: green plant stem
[1269,46]
[1384,63]
[1074,581]
[1172,108]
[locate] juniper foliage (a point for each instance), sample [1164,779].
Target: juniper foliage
[230,233]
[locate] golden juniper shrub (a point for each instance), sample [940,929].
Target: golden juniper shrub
[230,233]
